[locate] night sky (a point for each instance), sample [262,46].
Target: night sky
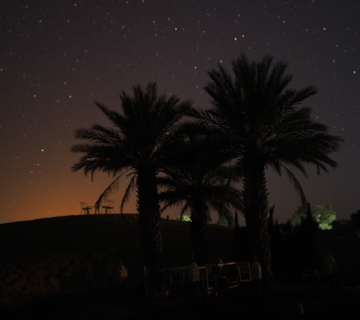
[57,57]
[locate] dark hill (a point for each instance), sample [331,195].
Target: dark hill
[48,256]
[46,259]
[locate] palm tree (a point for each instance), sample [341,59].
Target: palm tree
[136,146]
[266,128]
[198,182]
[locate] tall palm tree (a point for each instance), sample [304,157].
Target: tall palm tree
[266,128]
[135,145]
[198,181]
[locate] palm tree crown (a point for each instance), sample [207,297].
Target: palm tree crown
[135,145]
[198,181]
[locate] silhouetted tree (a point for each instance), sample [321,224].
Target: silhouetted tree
[271,223]
[323,214]
[236,238]
[197,181]
[355,218]
[135,145]
[308,241]
[265,127]
[241,247]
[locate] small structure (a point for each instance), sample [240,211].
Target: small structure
[108,206]
[245,271]
[85,208]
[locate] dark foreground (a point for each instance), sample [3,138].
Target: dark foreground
[46,257]
[283,303]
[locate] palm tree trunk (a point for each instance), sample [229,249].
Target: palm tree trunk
[255,197]
[149,217]
[198,230]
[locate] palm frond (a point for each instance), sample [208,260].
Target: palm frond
[110,188]
[130,187]
[296,184]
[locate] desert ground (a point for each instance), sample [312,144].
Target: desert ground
[43,273]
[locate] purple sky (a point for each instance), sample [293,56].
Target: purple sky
[57,57]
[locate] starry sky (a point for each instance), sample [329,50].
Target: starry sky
[58,56]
